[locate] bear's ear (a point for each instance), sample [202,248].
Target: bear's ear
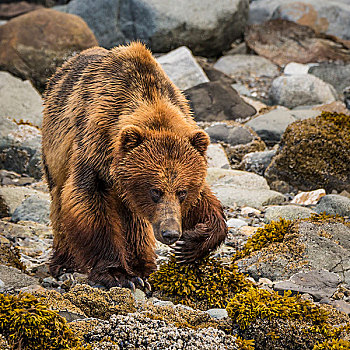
[130,137]
[200,141]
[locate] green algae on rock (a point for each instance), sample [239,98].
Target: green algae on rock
[26,323]
[206,284]
[314,153]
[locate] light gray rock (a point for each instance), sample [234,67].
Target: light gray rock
[235,223]
[338,75]
[331,16]
[216,157]
[34,209]
[293,68]
[298,90]
[20,148]
[164,25]
[318,283]
[235,187]
[14,279]
[333,204]
[246,65]
[232,135]
[218,314]
[257,162]
[19,100]
[12,196]
[182,68]
[271,126]
[288,212]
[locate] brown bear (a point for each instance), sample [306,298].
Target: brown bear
[125,164]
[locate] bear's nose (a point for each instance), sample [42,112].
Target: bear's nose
[170,236]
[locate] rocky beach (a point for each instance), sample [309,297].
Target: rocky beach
[269,82]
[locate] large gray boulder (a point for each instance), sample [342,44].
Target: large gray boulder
[330,17]
[164,24]
[19,100]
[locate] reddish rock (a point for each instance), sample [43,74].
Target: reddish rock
[33,45]
[11,10]
[283,41]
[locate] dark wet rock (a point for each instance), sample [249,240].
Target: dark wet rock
[306,246]
[19,100]
[336,74]
[34,208]
[318,283]
[33,45]
[20,148]
[257,162]
[215,101]
[283,41]
[301,90]
[314,153]
[14,279]
[164,25]
[288,212]
[272,125]
[333,204]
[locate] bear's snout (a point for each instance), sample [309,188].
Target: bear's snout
[170,236]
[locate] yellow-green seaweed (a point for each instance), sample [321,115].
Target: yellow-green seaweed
[28,324]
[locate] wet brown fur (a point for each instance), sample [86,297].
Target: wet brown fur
[114,126]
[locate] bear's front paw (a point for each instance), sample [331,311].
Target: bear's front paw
[111,279]
[193,245]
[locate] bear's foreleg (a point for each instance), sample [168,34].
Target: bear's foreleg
[204,229]
[92,228]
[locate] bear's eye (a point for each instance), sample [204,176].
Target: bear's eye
[156,194]
[182,195]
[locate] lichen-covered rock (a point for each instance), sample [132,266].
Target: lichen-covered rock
[314,153]
[320,242]
[95,302]
[33,45]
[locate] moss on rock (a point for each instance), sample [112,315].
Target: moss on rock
[314,153]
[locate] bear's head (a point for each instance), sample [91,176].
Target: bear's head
[160,176]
